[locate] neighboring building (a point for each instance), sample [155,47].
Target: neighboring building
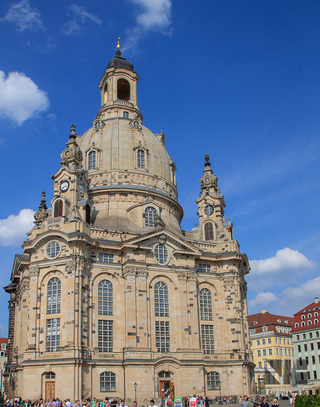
[272,350]
[306,341]
[110,296]
[3,359]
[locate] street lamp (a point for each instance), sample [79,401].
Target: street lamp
[135,391]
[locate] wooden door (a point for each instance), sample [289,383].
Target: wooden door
[171,391]
[50,390]
[162,388]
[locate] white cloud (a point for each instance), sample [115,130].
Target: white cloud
[25,17]
[80,16]
[305,291]
[20,97]
[154,14]
[263,299]
[13,229]
[285,259]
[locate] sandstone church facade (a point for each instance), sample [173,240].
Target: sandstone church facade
[110,297]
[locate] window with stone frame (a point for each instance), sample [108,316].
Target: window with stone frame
[141,158]
[149,215]
[207,338]
[53,334]
[105,298]
[107,382]
[162,336]
[58,208]
[161,300]
[213,381]
[105,335]
[92,160]
[208,231]
[205,305]
[54,296]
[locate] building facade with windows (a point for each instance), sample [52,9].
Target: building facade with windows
[110,295]
[306,342]
[272,351]
[3,360]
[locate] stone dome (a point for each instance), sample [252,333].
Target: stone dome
[116,144]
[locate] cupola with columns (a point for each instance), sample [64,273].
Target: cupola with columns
[118,87]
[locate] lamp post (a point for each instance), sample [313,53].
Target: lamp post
[135,391]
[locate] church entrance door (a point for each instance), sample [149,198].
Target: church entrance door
[50,390]
[166,389]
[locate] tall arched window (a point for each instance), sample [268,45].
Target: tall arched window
[54,296]
[141,159]
[205,305]
[107,382]
[88,213]
[213,381]
[208,231]
[161,300]
[58,208]
[92,160]
[123,89]
[149,215]
[105,298]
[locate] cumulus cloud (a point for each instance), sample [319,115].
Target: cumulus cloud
[152,15]
[80,17]
[24,16]
[13,229]
[20,97]
[285,259]
[263,299]
[306,292]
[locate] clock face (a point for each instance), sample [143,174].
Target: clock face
[209,210]
[64,186]
[81,188]
[207,180]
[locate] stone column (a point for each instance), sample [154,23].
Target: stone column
[34,310]
[182,314]
[142,308]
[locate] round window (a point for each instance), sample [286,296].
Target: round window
[161,253]
[209,210]
[53,249]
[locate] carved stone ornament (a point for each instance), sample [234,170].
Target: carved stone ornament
[71,267]
[34,272]
[132,271]
[42,213]
[158,222]
[228,283]
[187,274]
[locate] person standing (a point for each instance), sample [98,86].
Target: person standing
[264,403]
[245,402]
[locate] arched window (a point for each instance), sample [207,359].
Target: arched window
[58,207]
[107,382]
[149,215]
[141,159]
[123,89]
[213,381]
[88,213]
[92,160]
[316,321]
[125,115]
[208,231]
[303,324]
[105,298]
[309,322]
[54,296]
[161,300]
[205,305]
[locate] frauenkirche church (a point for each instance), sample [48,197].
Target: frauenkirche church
[110,297]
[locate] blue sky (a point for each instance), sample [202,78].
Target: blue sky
[238,80]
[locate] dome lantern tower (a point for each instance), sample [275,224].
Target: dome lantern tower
[118,87]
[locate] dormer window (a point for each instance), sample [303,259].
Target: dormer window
[141,159]
[92,160]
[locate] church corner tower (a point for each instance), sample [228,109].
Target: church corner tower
[110,296]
